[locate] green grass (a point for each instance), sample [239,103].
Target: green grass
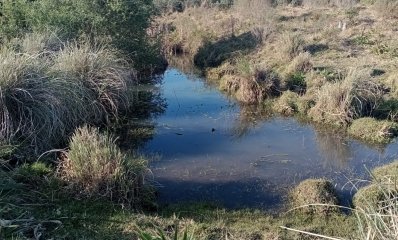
[122,23]
[95,166]
[372,130]
[66,217]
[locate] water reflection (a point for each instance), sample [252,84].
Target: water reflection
[248,118]
[334,147]
[212,148]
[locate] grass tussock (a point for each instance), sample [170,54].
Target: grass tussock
[31,100]
[314,196]
[261,85]
[98,69]
[95,166]
[286,104]
[376,205]
[290,46]
[47,91]
[372,130]
[339,103]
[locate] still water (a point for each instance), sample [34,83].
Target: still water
[209,148]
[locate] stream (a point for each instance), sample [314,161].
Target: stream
[210,148]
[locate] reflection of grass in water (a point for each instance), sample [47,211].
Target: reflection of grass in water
[249,117]
[184,63]
[334,147]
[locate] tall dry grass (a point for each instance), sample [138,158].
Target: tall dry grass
[99,70]
[47,89]
[95,166]
[386,8]
[339,103]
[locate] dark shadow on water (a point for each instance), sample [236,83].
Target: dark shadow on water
[253,193]
[245,193]
[136,125]
[213,54]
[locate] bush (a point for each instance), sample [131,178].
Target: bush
[95,166]
[372,130]
[124,23]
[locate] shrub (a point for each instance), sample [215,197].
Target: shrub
[124,23]
[372,130]
[96,166]
[341,102]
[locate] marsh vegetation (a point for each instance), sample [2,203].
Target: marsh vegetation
[83,112]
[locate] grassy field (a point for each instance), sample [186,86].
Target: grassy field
[331,61]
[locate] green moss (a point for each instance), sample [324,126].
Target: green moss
[372,130]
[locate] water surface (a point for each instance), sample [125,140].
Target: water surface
[212,149]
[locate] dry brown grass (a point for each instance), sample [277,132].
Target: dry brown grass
[290,46]
[339,103]
[387,8]
[286,104]
[261,85]
[311,54]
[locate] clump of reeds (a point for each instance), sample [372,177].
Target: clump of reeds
[254,88]
[95,166]
[46,91]
[376,206]
[341,102]
[99,70]
[290,46]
